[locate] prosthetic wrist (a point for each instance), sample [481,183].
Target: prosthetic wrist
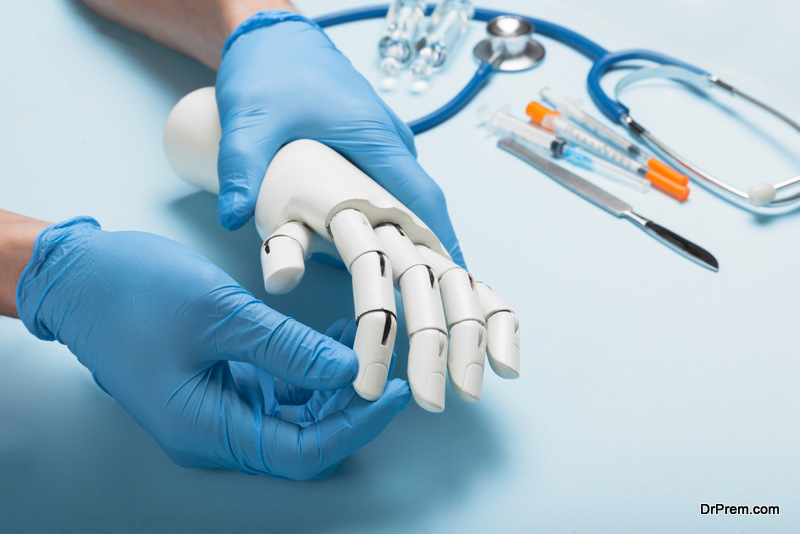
[314,200]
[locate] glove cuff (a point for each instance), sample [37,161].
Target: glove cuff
[262,19]
[45,268]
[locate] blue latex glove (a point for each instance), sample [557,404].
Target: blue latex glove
[281,79]
[214,375]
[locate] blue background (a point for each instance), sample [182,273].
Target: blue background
[649,385]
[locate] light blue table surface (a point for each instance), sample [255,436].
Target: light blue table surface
[649,385]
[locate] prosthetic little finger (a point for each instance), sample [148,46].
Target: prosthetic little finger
[502,330]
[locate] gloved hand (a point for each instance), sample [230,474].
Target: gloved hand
[281,79]
[214,375]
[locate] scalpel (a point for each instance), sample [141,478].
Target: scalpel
[609,203]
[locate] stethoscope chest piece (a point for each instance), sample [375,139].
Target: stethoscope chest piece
[511,37]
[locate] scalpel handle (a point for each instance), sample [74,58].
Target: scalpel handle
[568,179]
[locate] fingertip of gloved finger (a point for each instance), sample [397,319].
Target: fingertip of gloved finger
[457,255]
[392,361]
[234,209]
[348,337]
[438,220]
[241,165]
[237,195]
[398,393]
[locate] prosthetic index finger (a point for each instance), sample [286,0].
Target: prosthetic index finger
[373,294]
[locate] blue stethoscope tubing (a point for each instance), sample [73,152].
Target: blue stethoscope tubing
[602,62]
[602,58]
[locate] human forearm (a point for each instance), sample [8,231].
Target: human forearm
[197,28]
[17,235]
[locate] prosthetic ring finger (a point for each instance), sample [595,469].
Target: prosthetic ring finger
[462,309]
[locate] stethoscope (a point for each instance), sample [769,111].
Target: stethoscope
[509,47]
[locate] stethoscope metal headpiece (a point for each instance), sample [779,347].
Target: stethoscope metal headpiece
[510,40]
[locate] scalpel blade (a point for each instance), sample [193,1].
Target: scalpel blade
[609,203]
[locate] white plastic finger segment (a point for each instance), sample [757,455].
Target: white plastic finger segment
[373,289]
[401,251]
[373,347]
[353,235]
[466,358]
[502,331]
[283,257]
[282,263]
[422,301]
[427,369]
[461,300]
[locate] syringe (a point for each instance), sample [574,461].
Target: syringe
[396,47]
[573,112]
[552,121]
[585,160]
[447,23]
[551,145]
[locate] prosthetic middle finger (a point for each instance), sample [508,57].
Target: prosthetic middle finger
[425,321]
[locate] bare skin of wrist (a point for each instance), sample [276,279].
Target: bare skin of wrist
[17,235]
[197,28]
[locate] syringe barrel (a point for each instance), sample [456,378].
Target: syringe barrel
[581,158]
[504,121]
[562,127]
[577,115]
[403,23]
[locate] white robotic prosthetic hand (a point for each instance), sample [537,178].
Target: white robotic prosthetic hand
[314,200]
